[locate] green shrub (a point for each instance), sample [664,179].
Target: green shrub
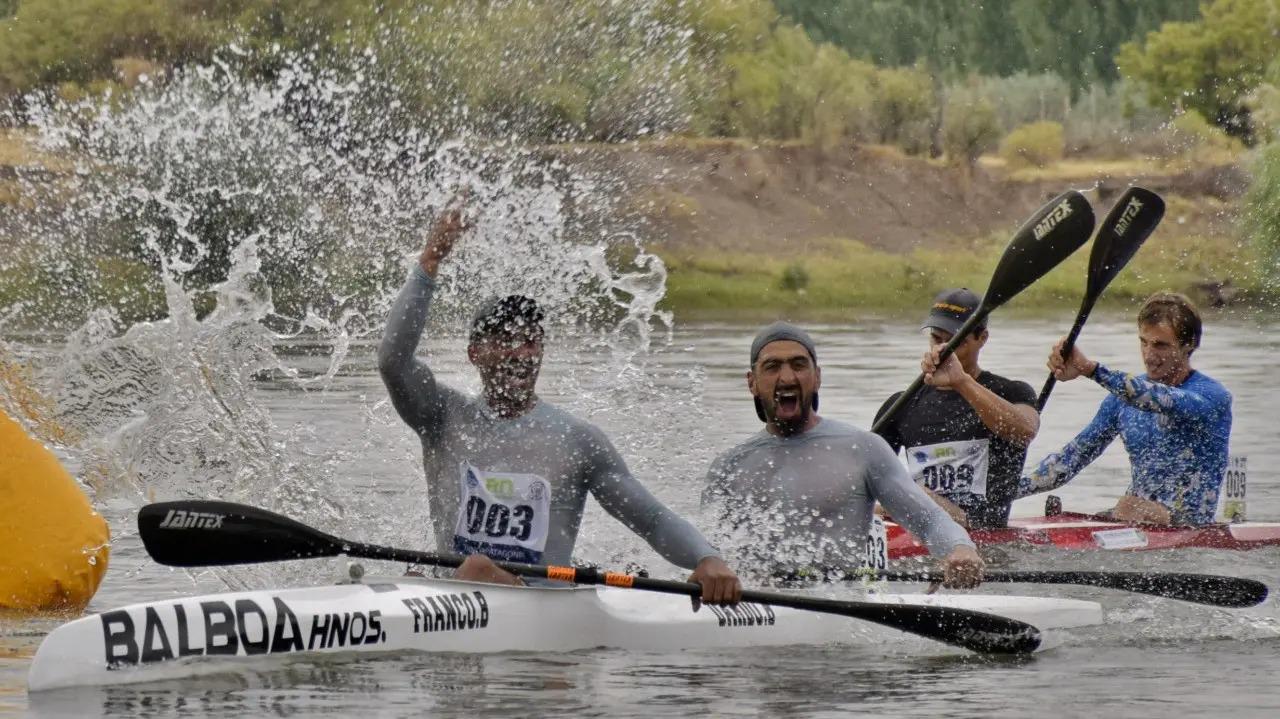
[76,41]
[1262,214]
[795,278]
[1264,108]
[1210,65]
[834,94]
[1192,131]
[793,89]
[905,107]
[1038,144]
[969,127]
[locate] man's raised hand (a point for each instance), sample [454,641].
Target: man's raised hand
[445,231]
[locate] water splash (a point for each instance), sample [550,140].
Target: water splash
[210,221]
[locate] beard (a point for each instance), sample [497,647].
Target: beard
[789,417]
[512,382]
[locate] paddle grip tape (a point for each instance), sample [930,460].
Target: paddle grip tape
[590,575]
[562,574]
[616,579]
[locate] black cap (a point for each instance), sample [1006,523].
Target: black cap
[781,331]
[505,315]
[951,308]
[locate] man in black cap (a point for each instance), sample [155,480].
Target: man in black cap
[966,431]
[798,496]
[508,474]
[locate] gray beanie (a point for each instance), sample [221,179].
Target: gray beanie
[782,331]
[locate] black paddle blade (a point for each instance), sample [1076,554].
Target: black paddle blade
[200,533]
[1208,589]
[1129,223]
[1211,589]
[1049,237]
[964,628]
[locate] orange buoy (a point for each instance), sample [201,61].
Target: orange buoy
[53,545]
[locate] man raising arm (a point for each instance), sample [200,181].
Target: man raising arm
[507,473]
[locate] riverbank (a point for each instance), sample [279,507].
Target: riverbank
[750,230]
[840,277]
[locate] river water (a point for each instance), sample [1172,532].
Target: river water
[670,410]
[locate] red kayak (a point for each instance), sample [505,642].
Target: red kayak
[1085,532]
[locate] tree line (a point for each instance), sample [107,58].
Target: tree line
[1075,39]
[565,70]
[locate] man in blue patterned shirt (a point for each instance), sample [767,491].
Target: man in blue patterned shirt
[1175,422]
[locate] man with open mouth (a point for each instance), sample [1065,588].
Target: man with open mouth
[798,496]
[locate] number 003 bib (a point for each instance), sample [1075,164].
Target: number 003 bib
[502,515]
[951,469]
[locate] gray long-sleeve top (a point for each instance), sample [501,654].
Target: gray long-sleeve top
[465,444]
[807,499]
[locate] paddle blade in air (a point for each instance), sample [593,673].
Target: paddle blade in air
[1049,237]
[198,533]
[1129,223]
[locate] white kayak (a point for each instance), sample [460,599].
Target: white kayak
[185,637]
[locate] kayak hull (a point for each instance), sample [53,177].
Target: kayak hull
[190,636]
[1081,532]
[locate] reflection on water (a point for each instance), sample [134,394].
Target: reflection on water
[1074,680]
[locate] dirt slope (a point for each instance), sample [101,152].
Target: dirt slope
[777,199]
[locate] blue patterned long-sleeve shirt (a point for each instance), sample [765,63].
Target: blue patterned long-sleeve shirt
[1176,437]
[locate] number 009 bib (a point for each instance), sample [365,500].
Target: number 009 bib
[502,515]
[952,469]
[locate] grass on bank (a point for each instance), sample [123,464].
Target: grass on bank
[45,296]
[1089,170]
[846,278]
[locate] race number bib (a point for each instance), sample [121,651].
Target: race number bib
[876,555]
[502,515]
[1231,498]
[951,469]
